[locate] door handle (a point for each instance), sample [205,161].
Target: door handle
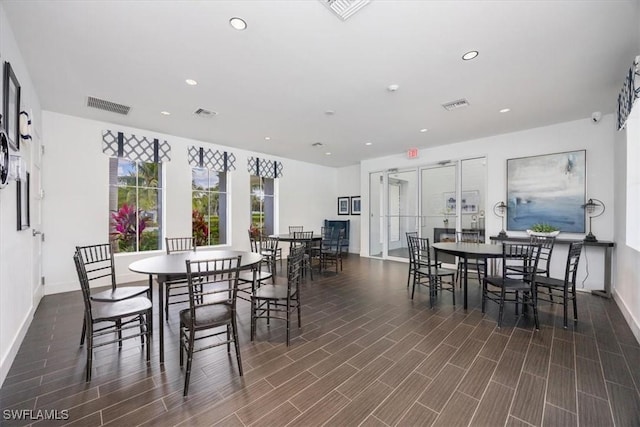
[35,232]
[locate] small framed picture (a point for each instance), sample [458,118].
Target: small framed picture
[343,206]
[355,205]
[11,107]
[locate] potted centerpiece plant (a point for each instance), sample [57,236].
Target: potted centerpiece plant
[542,229]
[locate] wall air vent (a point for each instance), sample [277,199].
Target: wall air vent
[204,113]
[454,105]
[112,107]
[344,9]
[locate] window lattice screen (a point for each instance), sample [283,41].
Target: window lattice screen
[136,148]
[264,168]
[215,160]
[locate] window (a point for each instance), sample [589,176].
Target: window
[262,203]
[209,206]
[135,205]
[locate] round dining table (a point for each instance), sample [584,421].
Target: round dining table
[466,250]
[289,237]
[163,266]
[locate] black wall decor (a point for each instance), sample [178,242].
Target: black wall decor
[11,107]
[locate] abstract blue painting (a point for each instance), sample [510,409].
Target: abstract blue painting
[547,189]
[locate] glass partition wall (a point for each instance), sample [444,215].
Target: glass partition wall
[433,200]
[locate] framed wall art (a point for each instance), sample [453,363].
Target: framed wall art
[11,107]
[355,205]
[343,206]
[470,202]
[548,189]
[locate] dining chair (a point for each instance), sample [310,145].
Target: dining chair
[98,263]
[305,238]
[469,236]
[279,301]
[213,290]
[427,273]
[175,286]
[514,285]
[295,229]
[564,288]
[412,258]
[546,249]
[125,319]
[331,250]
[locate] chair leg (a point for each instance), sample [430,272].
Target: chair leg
[288,321]
[228,339]
[564,307]
[84,330]
[187,375]
[89,327]
[534,298]
[484,294]
[253,319]
[167,294]
[501,311]
[234,330]
[119,328]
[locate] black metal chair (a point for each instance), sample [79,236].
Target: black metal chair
[565,288]
[98,263]
[546,249]
[175,286]
[472,263]
[279,301]
[260,273]
[331,250]
[305,239]
[127,319]
[427,273]
[514,285]
[295,229]
[412,258]
[213,289]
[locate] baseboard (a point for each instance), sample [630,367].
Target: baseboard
[15,344]
[631,321]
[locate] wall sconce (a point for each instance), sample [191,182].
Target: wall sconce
[500,209]
[593,208]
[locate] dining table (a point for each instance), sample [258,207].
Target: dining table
[466,250]
[172,265]
[289,237]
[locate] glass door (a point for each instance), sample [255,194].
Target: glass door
[473,174]
[376,214]
[402,208]
[438,204]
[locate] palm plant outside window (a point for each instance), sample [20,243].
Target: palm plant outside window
[209,207]
[262,203]
[135,205]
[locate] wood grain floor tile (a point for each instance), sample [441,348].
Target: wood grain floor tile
[593,411]
[625,403]
[354,386]
[477,377]
[493,409]
[508,369]
[554,416]
[312,394]
[561,388]
[434,363]
[590,378]
[359,408]
[324,409]
[419,416]
[528,402]
[458,411]
[494,347]
[441,388]
[402,398]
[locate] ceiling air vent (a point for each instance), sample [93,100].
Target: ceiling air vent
[454,105]
[344,9]
[204,113]
[112,107]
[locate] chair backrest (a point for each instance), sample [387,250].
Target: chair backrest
[412,244]
[523,255]
[295,228]
[573,258]
[294,269]
[269,243]
[468,236]
[84,282]
[97,261]
[546,249]
[212,281]
[422,251]
[180,244]
[303,238]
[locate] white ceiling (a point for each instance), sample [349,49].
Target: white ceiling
[548,61]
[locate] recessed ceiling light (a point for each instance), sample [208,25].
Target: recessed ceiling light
[328,153]
[329,112]
[470,55]
[424,130]
[191,82]
[393,87]
[505,110]
[368,143]
[238,23]
[165,113]
[267,138]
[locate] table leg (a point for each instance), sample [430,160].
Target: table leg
[161,317]
[151,298]
[466,276]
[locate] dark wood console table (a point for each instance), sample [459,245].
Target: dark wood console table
[605,244]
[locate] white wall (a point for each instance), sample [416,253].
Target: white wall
[75,210]
[597,139]
[627,266]
[19,296]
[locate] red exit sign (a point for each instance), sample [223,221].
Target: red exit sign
[412,153]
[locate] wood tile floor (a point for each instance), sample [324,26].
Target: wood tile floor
[366,355]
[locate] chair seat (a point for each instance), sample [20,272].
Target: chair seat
[247,276]
[509,284]
[436,271]
[114,310]
[522,269]
[273,292]
[120,293]
[549,282]
[207,315]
